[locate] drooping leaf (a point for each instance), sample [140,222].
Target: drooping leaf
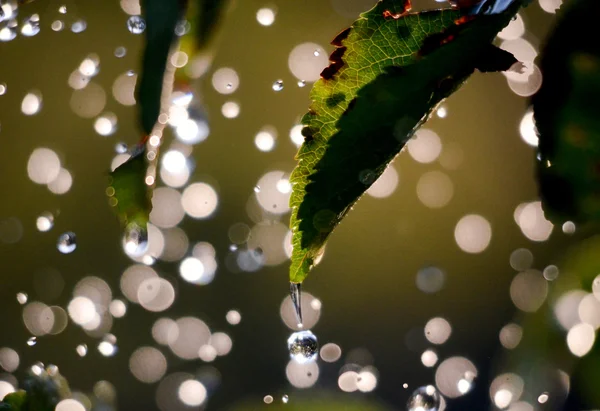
[566,115]
[388,72]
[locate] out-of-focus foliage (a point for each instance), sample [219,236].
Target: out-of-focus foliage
[326,403]
[389,70]
[566,114]
[42,391]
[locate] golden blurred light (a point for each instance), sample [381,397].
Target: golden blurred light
[225,80]
[61,320]
[267,243]
[22,298]
[528,129]
[117,308]
[230,109]
[77,81]
[32,103]
[305,64]
[221,342]
[514,30]
[502,398]
[533,223]
[81,350]
[265,140]
[569,227]
[265,16]
[268,399]
[107,346]
[156,294]
[429,358]
[543,398]
[269,197]
[69,405]
[179,59]
[88,102]
[296,135]
[192,334]
[330,352]
[525,53]
[166,208]
[123,89]
[425,146]
[192,393]
[589,311]
[566,308]
[132,278]
[191,269]
[385,185]
[595,287]
[105,125]
[510,336]
[348,381]
[131,7]
[207,353]
[580,339]
[437,330]
[62,183]
[5,389]
[165,331]
[9,359]
[529,85]
[233,317]
[148,364]
[454,376]
[89,66]
[302,375]
[473,233]
[192,131]
[367,380]
[435,189]
[2,89]
[38,319]
[199,200]
[521,259]
[175,179]
[81,310]
[176,244]
[310,316]
[442,112]
[44,222]
[528,290]
[551,272]
[57,25]
[43,166]
[550,6]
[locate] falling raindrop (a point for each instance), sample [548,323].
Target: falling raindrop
[135,240]
[81,350]
[303,346]
[32,341]
[67,242]
[136,24]
[285,399]
[31,25]
[278,85]
[22,298]
[424,399]
[296,296]
[301,83]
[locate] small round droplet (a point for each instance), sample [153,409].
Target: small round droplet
[233,247]
[130,73]
[257,189]
[268,399]
[32,341]
[78,26]
[543,398]
[285,399]
[135,240]
[31,25]
[121,148]
[67,242]
[136,24]
[424,399]
[316,53]
[405,385]
[45,221]
[229,86]
[301,83]
[62,9]
[303,346]
[120,52]
[81,350]
[22,298]
[278,85]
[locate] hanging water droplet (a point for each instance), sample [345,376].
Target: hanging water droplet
[424,399]
[31,25]
[301,83]
[317,53]
[136,24]
[296,296]
[45,221]
[22,298]
[120,52]
[303,346]
[285,399]
[62,9]
[81,350]
[278,85]
[135,240]
[67,242]
[32,341]
[9,32]
[78,26]
[121,148]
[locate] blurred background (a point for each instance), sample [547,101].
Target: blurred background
[418,286]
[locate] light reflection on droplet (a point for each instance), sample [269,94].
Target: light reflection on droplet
[192,393]
[199,200]
[437,330]
[45,221]
[580,339]
[473,233]
[148,364]
[303,63]
[425,146]
[230,109]
[32,103]
[265,16]
[225,80]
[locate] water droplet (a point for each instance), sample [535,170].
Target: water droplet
[9,32]
[62,9]
[136,24]
[130,73]
[303,346]
[285,399]
[543,398]
[278,85]
[67,242]
[257,189]
[22,298]
[233,247]
[52,370]
[81,350]
[317,53]
[424,399]
[121,148]
[296,296]
[301,83]
[405,385]
[45,221]
[268,399]
[57,25]
[31,25]
[32,341]
[78,26]
[229,86]
[120,52]
[37,368]
[136,240]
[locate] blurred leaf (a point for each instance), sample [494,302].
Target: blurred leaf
[566,115]
[388,72]
[41,392]
[14,401]
[128,193]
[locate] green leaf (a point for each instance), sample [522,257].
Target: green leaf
[14,401]
[128,193]
[566,114]
[388,72]
[42,391]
